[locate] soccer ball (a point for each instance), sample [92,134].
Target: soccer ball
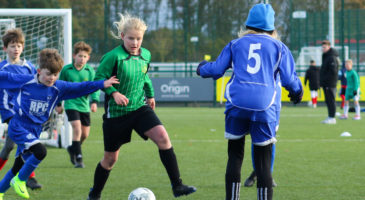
[141,194]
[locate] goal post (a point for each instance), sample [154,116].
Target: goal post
[29,19]
[6,24]
[43,28]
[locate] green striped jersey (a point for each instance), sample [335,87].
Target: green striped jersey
[71,74]
[134,83]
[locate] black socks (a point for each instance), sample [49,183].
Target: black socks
[168,159]
[76,148]
[262,160]
[100,178]
[233,170]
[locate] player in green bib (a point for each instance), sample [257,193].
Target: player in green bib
[135,83]
[78,110]
[130,106]
[352,91]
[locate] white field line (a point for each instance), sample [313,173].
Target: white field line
[279,141]
[302,115]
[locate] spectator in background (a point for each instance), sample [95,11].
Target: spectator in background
[328,79]
[312,74]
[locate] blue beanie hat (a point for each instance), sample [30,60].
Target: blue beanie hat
[261,16]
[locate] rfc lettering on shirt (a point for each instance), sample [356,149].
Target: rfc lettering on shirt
[37,107]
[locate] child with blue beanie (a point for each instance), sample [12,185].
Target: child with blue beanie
[260,63]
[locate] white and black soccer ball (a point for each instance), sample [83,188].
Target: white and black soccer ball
[141,194]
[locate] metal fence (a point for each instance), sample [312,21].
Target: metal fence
[312,29]
[181,34]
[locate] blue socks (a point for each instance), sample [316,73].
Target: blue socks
[29,166]
[5,182]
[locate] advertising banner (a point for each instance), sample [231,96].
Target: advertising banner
[222,82]
[183,89]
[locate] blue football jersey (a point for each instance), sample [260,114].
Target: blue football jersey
[256,60]
[6,96]
[35,102]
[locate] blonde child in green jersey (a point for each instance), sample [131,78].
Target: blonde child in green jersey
[126,108]
[352,91]
[78,110]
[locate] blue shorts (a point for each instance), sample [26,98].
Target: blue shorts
[23,134]
[262,133]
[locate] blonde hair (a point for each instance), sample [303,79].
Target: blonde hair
[128,22]
[242,33]
[349,61]
[50,59]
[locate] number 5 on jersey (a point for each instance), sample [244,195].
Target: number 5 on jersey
[256,56]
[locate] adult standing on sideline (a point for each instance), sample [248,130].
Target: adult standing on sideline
[328,79]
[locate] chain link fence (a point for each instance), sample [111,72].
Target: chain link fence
[184,31]
[307,33]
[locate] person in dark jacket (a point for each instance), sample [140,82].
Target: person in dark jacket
[312,75]
[328,79]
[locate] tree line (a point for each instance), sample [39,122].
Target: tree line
[179,30]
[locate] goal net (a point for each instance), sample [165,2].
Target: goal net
[43,28]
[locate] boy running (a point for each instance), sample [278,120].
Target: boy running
[13,41]
[38,96]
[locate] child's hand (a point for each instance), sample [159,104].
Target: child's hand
[94,107]
[59,109]
[201,64]
[151,102]
[120,99]
[296,97]
[110,82]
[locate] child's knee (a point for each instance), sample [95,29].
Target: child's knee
[39,151]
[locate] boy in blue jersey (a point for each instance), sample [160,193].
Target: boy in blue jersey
[258,61]
[38,96]
[13,41]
